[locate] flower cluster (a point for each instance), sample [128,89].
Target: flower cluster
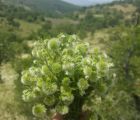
[64,72]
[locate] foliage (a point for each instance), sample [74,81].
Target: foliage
[100,19]
[11,12]
[52,8]
[125,52]
[65,77]
[8,42]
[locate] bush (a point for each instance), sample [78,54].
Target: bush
[66,78]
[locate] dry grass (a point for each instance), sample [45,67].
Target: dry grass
[98,39]
[127,8]
[8,104]
[27,28]
[24,30]
[58,21]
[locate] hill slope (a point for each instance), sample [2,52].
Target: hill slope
[47,6]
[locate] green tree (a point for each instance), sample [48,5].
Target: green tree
[126,55]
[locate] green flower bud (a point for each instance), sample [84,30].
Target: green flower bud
[34,53]
[34,71]
[53,44]
[97,100]
[87,61]
[45,70]
[49,100]
[67,52]
[82,85]
[72,38]
[109,100]
[87,105]
[68,66]
[61,36]
[67,97]
[39,54]
[37,91]
[62,109]
[87,71]
[39,82]
[25,79]
[101,65]
[66,81]
[39,110]
[82,49]
[28,96]
[64,89]
[56,67]
[49,88]
[36,62]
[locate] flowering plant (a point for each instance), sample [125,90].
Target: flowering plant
[66,78]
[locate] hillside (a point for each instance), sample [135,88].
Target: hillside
[46,6]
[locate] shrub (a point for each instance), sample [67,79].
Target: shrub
[67,78]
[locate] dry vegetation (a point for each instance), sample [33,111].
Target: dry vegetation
[127,8]
[27,28]
[8,105]
[98,39]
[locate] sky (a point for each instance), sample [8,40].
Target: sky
[87,2]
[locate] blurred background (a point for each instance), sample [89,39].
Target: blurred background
[111,26]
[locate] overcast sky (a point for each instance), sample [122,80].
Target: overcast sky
[87,2]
